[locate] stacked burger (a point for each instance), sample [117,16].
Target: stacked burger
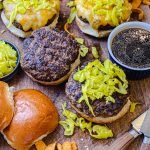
[23,17]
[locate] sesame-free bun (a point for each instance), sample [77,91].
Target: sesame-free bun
[97,18]
[35,116]
[87,29]
[6,105]
[16,31]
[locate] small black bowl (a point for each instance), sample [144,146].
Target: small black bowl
[13,73]
[132,73]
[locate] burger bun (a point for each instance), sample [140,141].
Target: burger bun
[6,105]
[103,120]
[35,116]
[20,33]
[87,29]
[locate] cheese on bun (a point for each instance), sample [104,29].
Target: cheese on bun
[22,17]
[99,17]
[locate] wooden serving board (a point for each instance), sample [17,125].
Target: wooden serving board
[140,90]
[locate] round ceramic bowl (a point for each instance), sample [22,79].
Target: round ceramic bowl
[13,73]
[132,73]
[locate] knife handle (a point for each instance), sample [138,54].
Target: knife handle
[122,142]
[146,144]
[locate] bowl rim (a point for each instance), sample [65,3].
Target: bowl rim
[18,58]
[123,26]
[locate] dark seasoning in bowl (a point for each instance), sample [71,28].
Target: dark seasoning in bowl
[132,47]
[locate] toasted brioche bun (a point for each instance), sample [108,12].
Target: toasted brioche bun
[101,119]
[20,33]
[61,80]
[6,104]
[35,116]
[86,28]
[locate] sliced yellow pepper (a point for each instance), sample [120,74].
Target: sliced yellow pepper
[8,59]
[96,131]
[101,81]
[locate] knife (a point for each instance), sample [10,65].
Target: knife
[123,141]
[145,129]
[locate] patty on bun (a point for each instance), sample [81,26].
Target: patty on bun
[49,56]
[97,18]
[22,17]
[35,116]
[99,92]
[6,104]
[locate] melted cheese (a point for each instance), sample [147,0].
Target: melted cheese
[105,12]
[33,18]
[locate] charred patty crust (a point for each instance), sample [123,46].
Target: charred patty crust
[100,106]
[48,54]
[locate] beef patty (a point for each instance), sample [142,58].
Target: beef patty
[100,107]
[48,54]
[107,27]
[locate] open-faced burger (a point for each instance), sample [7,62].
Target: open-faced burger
[49,56]
[22,17]
[99,92]
[98,17]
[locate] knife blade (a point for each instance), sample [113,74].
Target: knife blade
[123,141]
[137,123]
[145,129]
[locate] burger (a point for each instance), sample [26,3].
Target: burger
[6,104]
[49,56]
[99,91]
[99,17]
[22,17]
[35,116]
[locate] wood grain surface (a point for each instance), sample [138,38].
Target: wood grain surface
[140,90]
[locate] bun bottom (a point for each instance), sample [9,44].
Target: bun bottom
[104,120]
[20,33]
[86,28]
[59,81]
[26,148]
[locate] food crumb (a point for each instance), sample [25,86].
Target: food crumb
[2,31]
[81,139]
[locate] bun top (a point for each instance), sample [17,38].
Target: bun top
[6,105]
[35,116]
